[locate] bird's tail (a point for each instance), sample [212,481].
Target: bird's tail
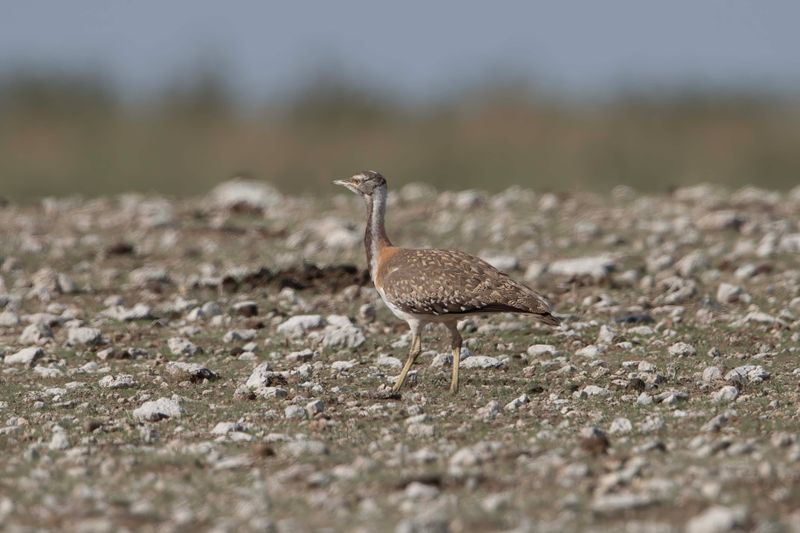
[547,318]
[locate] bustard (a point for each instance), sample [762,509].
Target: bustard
[422,286]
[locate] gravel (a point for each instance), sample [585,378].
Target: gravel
[203,382]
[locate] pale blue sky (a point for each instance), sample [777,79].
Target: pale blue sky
[414,48]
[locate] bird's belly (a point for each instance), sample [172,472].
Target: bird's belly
[404,315]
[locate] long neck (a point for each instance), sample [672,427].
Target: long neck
[375,238]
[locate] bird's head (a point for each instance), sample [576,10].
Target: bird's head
[364,183]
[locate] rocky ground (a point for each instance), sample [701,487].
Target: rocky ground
[223,364]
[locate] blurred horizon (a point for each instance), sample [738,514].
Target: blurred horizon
[106,97]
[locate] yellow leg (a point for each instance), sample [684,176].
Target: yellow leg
[456,362]
[416,348]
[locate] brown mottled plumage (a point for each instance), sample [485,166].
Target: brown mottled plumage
[450,282]
[423,286]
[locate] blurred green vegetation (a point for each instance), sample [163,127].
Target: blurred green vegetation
[67,135]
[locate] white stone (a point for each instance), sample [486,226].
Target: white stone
[348,336]
[262,376]
[594,390]
[9,319]
[84,337]
[503,263]
[26,356]
[239,335]
[189,371]
[314,407]
[481,361]
[747,373]
[295,412]
[341,366]
[726,394]
[536,350]
[712,374]
[516,403]
[620,426]
[717,519]
[223,428]
[597,267]
[120,381]
[244,193]
[154,410]
[390,362]
[299,448]
[36,333]
[591,350]
[727,294]
[181,346]
[297,326]
[682,349]
[59,440]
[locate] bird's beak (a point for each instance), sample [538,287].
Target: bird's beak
[346,183]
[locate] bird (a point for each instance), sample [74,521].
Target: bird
[424,286]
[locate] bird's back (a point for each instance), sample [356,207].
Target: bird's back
[450,282]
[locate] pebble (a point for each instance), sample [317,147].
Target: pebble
[190,371]
[718,519]
[297,326]
[180,346]
[480,361]
[726,394]
[155,410]
[682,349]
[537,350]
[26,356]
[294,412]
[120,381]
[84,337]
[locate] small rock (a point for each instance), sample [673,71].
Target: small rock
[595,267]
[295,412]
[718,519]
[59,440]
[297,326]
[390,362]
[26,356]
[620,426]
[120,381]
[712,374]
[239,335]
[682,349]
[155,410]
[536,350]
[594,390]
[36,333]
[189,372]
[747,374]
[314,407]
[591,350]
[727,294]
[84,337]
[298,448]
[180,346]
[246,309]
[481,361]
[516,403]
[223,428]
[341,366]
[726,394]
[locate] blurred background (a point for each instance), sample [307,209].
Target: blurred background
[105,96]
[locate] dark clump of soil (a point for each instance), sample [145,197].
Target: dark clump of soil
[330,278]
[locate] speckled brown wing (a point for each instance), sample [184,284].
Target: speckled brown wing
[441,282]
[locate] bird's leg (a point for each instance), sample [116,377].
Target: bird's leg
[416,348]
[455,344]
